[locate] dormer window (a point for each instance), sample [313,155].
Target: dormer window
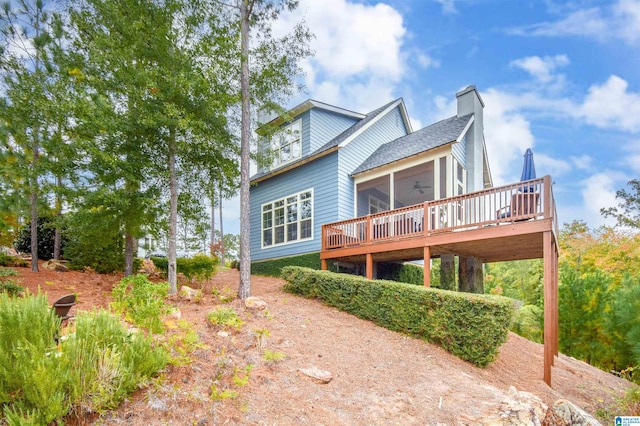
[287,145]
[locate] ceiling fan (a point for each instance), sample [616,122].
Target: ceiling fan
[419,188]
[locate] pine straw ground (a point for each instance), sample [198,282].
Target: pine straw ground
[379,376]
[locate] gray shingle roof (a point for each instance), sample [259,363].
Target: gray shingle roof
[433,136]
[353,129]
[335,141]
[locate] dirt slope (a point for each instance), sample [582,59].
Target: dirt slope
[379,376]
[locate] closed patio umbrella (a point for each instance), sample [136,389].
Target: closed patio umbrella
[528,168]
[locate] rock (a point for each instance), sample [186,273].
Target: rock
[55,265]
[317,374]
[517,409]
[222,333]
[175,313]
[189,293]
[10,251]
[147,267]
[255,303]
[155,403]
[564,413]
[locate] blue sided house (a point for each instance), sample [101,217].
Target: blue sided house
[330,164]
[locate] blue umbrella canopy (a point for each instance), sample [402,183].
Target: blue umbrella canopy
[528,168]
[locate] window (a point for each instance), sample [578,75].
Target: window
[376,205]
[288,220]
[287,145]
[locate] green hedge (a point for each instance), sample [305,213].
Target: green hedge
[271,268]
[201,267]
[401,272]
[470,326]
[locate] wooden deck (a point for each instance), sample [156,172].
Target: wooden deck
[512,222]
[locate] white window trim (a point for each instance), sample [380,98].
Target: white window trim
[276,151]
[285,243]
[377,202]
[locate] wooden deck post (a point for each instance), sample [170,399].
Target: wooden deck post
[369,266]
[323,264]
[550,305]
[427,266]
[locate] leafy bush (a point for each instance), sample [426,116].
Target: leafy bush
[46,238]
[201,267]
[272,268]
[10,287]
[401,272]
[141,301]
[470,326]
[90,371]
[95,240]
[529,322]
[6,260]
[225,317]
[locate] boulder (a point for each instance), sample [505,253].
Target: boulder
[55,265]
[189,293]
[564,413]
[255,303]
[317,374]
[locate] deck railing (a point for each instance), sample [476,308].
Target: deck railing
[522,201]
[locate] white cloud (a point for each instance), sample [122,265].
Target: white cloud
[426,61]
[610,105]
[448,6]
[358,51]
[619,21]
[508,135]
[546,165]
[541,68]
[582,162]
[599,191]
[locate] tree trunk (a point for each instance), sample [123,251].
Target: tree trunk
[34,217]
[213,221]
[57,239]
[128,254]
[244,288]
[221,230]
[173,213]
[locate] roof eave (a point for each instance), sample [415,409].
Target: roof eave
[294,165]
[370,123]
[417,154]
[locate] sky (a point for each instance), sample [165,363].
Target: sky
[561,78]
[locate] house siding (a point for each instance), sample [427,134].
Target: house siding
[325,125]
[459,151]
[320,176]
[386,129]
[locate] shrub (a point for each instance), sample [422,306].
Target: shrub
[470,326]
[141,301]
[6,260]
[273,268]
[90,371]
[46,238]
[10,287]
[225,317]
[529,322]
[95,240]
[201,267]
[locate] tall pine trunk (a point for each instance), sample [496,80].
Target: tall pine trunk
[57,239]
[221,230]
[244,289]
[129,246]
[173,212]
[212,198]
